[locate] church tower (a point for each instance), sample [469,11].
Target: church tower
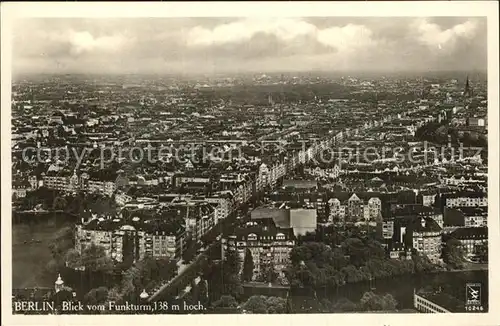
[467,89]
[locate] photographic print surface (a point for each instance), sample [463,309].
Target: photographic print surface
[233,165]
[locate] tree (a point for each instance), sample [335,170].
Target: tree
[215,283]
[269,274]
[256,304]
[128,249]
[202,292]
[59,247]
[352,274]
[229,275]
[194,291]
[225,301]
[344,305]
[167,269]
[356,250]
[232,285]
[276,305]
[232,262]
[189,299]
[145,274]
[115,295]
[53,266]
[94,258]
[96,296]
[59,203]
[389,303]
[73,258]
[248,266]
[373,302]
[131,282]
[422,263]
[225,278]
[189,250]
[75,205]
[453,254]
[307,251]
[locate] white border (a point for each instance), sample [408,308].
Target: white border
[10,11]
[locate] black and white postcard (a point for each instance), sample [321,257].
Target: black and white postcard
[302,162]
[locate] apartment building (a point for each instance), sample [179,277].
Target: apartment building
[425,236]
[354,208]
[134,239]
[104,187]
[466,199]
[269,245]
[470,238]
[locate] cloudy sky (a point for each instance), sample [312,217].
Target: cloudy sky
[224,45]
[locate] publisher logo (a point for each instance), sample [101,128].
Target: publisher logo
[473,294]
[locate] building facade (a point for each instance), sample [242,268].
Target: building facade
[424,305]
[426,238]
[268,245]
[470,238]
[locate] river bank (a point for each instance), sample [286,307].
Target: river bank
[31,253]
[401,288]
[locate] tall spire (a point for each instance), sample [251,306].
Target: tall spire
[422,90]
[467,90]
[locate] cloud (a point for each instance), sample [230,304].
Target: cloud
[82,42]
[288,30]
[245,29]
[68,42]
[193,45]
[435,36]
[349,37]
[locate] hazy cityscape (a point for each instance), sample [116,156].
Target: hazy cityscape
[233,166]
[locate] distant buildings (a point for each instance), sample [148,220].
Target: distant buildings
[428,198]
[466,217]
[465,199]
[185,195]
[66,181]
[354,208]
[476,122]
[132,241]
[470,238]
[19,188]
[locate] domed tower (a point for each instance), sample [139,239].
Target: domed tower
[59,284]
[144,295]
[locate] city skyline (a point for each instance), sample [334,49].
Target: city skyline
[303,160]
[245,45]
